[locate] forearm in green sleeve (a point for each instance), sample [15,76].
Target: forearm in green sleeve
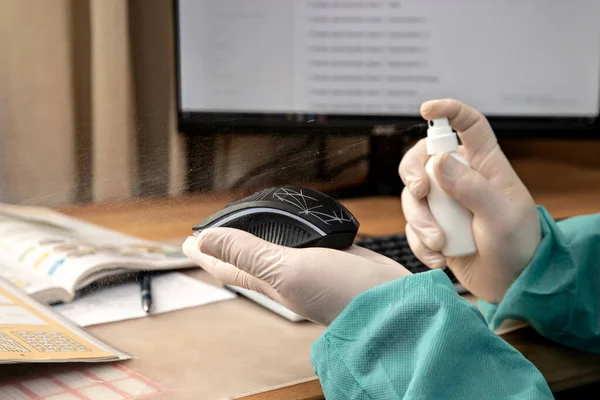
[558,293]
[417,338]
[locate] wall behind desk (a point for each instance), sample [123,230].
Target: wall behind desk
[239,159]
[585,153]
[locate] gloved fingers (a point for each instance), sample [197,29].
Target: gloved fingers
[412,170]
[370,255]
[421,221]
[470,188]
[224,272]
[432,259]
[245,280]
[257,257]
[472,127]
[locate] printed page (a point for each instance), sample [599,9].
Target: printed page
[11,267]
[30,332]
[62,251]
[93,382]
[40,288]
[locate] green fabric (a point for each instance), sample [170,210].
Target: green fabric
[558,294]
[416,338]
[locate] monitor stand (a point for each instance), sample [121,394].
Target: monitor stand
[384,158]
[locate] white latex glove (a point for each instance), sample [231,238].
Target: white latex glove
[506,225]
[316,283]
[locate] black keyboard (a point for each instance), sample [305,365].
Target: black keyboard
[396,247]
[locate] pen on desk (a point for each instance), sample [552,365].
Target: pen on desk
[146,292]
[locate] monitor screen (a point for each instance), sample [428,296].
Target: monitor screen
[320,58]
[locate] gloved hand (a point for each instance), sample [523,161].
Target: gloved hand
[316,283]
[506,225]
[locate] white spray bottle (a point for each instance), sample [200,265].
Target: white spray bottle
[454,219]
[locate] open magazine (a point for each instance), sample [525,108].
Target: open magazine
[51,256]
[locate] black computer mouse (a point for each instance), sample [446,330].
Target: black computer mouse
[290,216]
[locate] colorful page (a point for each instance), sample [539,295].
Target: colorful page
[66,252]
[30,332]
[40,288]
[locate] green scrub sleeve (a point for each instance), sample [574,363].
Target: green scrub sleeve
[416,338]
[558,293]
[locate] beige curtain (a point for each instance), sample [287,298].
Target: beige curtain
[87,110]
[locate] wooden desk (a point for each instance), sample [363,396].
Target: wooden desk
[235,347]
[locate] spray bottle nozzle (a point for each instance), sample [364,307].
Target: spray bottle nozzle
[439,127]
[439,123]
[440,137]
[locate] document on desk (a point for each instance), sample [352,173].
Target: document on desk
[170,292]
[33,333]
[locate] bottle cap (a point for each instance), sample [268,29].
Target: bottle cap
[440,137]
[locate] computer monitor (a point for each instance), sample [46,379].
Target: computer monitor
[532,66]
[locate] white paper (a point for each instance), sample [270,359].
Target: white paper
[170,292]
[15,315]
[4,300]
